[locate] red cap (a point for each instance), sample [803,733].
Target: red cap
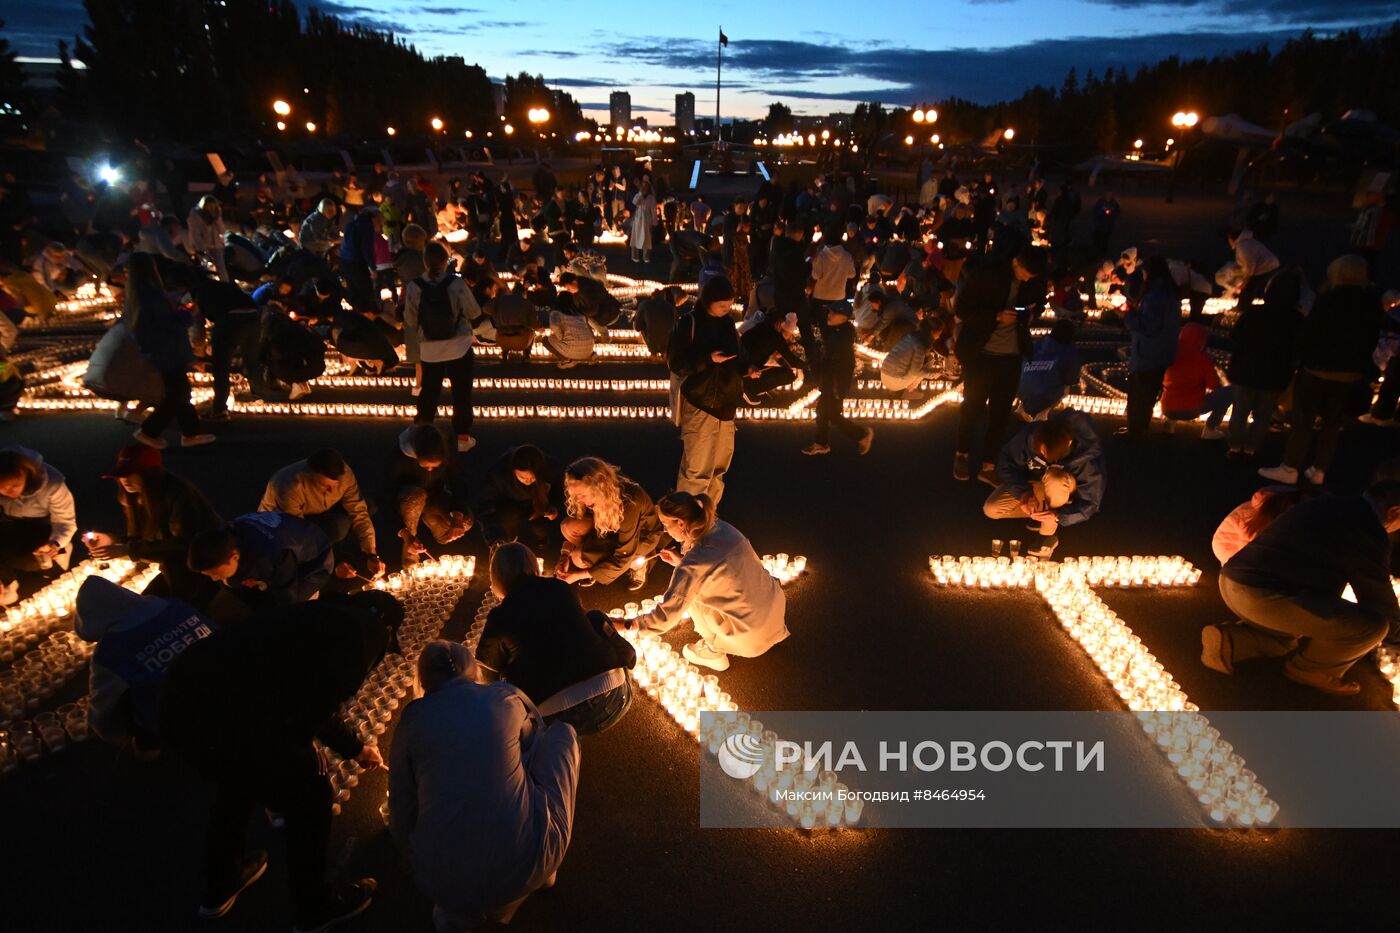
[135,459]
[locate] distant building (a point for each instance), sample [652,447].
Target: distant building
[685,113]
[620,108]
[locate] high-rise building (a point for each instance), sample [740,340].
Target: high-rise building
[685,113]
[620,108]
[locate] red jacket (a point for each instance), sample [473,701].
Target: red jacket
[1192,375]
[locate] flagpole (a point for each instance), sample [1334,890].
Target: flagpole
[719,65]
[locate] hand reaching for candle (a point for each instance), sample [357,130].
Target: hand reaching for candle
[670,556]
[369,758]
[374,567]
[572,576]
[102,547]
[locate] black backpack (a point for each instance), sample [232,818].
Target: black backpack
[436,319]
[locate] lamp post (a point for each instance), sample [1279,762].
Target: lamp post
[436,123]
[1183,120]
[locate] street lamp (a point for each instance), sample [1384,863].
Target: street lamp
[281,125]
[934,139]
[1183,120]
[508,129]
[390,130]
[918,116]
[908,140]
[281,108]
[437,124]
[1137,144]
[1008,134]
[538,115]
[468,134]
[310,127]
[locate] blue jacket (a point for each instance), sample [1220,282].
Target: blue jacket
[1020,463]
[1052,367]
[358,244]
[288,558]
[1153,325]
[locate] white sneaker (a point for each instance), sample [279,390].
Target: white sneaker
[157,442]
[300,390]
[465,442]
[1212,434]
[1279,474]
[9,593]
[701,653]
[1315,476]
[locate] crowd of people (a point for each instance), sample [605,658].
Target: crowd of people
[263,616]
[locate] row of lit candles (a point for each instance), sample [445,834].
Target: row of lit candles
[1206,763]
[428,591]
[684,692]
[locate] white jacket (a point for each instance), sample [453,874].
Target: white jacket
[46,497]
[734,602]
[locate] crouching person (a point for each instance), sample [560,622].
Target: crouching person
[735,604]
[611,527]
[1051,472]
[246,706]
[420,491]
[1286,587]
[322,489]
[138,638]
[265,559]
[481,792]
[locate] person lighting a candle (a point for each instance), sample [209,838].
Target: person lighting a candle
[735,604]
[37,517]
[1051,472]
[266,558]
[611,526]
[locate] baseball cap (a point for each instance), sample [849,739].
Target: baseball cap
[135,459]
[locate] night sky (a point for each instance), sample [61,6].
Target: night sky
[819,56]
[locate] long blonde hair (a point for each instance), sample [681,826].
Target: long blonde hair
[605,480]
[696,512]
[510,563]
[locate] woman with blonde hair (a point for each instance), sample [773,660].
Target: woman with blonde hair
[568,661]
[735,604]
[611,526]
[481,792]
[1337,338]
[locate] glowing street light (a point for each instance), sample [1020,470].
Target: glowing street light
[281,126]
[468,134]
[918,116]
[310,127]
[826,134]
[1182,120]
[934,139]
[281,108]
[930,115]
[1137,144]
[908,140]
[1185,119]
[1170,143]
[1008,134]
[509,129]
[437,124]
[538,115]
[390,130]
[108,174]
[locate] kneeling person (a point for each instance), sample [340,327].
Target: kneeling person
[322,489]
[1053,473]
[267,558]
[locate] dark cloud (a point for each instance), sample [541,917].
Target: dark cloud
[580,82]
[636,108]
[371,17]
[907,74]
[35,28]
[1316,12]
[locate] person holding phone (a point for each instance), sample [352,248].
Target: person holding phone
[708,373]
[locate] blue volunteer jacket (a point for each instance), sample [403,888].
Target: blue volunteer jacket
[1019,465]
[287,557]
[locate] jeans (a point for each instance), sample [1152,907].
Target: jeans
[292,782]
[1214,408]
[1144,388]
[236,335]
[838,369]
[707,447]
[175,406]
[1248,403]
[459,371]
[1338,632]
[597,714]
[989,384]
[1314,399]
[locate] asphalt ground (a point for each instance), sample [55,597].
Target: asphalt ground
[93,841]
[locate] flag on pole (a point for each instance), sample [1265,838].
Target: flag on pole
[723,39]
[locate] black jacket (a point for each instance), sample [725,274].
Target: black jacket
[1340,333]
[983,290]
[787,264]
[714,388]
[1264,341]
[178,512]
[501,490]
[541,639]
[272,683]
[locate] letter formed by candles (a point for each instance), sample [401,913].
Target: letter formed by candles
[1205,762]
